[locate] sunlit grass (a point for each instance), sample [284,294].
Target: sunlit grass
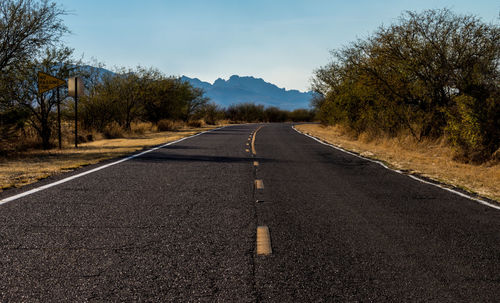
[31,166]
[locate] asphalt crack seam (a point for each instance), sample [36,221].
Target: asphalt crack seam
[256,217]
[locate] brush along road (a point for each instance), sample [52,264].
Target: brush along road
[180,223]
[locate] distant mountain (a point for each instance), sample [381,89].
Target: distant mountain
[100,70]
[249,89]
[238,90]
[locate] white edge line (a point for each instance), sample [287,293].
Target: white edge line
[37,189]
[398,171]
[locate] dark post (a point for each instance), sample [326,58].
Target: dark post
[76,112]
[59,118]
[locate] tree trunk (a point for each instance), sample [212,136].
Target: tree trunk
[45,134]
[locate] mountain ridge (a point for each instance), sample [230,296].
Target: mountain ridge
[241,89]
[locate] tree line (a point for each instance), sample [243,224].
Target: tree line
[30,41]
[137,94]
[430,74]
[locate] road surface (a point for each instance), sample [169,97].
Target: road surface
[179,224]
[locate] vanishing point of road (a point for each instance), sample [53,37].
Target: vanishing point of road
[245,213]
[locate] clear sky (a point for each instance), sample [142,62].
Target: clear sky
[277,40]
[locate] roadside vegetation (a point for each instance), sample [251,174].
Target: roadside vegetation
[137,107]
[422,95]
[430,158]
[111,102]
[33,164]
[431,75]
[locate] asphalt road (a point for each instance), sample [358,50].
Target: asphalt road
[179,225]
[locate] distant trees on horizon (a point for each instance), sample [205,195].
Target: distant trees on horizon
[30,41]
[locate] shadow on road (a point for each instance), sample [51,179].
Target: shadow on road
[159,158]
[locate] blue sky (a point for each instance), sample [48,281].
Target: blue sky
[279,41]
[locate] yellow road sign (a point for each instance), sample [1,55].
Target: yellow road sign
[46,82]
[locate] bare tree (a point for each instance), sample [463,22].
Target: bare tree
[194,101]
[26,27]
[55,61]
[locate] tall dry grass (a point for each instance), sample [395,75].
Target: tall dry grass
[168,125]
[28,163]
[195,123]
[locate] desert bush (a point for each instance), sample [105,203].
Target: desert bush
[24,139]
[212,113]
[472,130]
[433,73]
[140,128]
[195,123]
[274,114]
[82,139]
[113,130]
[301,115]
[245,112]
[167,125]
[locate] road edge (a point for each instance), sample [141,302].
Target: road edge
[415,177]
[126,158]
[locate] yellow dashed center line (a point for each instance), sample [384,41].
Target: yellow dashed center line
[263,241]
[263,237]
[253,140]
[259,184]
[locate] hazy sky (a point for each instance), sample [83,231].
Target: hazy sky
[277,40]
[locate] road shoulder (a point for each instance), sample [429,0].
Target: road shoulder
[431,163]
[33,166]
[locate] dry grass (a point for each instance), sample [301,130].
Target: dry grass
[30,166]
[431,159]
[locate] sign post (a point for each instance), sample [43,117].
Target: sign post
[47,82]
[75,84]
[59,119]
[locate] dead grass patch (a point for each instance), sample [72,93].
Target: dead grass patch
[30,166]
[431,159]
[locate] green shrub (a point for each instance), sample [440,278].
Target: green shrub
[470,131]
[212,113]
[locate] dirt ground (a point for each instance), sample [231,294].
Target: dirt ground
[30,166]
